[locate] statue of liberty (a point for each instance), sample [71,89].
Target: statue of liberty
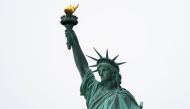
[106,94]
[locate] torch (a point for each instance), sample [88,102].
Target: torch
[69,20]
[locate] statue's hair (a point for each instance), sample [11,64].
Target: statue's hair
[117,79]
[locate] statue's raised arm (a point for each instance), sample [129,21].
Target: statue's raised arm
[69,21]
[79,57]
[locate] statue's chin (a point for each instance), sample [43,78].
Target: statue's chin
[102,82]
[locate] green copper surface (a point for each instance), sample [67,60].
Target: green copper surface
[106,94]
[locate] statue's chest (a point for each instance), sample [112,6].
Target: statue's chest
[99,93]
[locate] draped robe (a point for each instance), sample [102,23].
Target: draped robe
[98,98]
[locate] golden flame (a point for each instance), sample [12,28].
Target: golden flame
[71,9]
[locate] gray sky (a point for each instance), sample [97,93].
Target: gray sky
[37,71]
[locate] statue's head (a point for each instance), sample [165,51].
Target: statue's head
[108,73]
[108,69]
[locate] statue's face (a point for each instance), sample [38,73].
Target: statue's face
[105,73]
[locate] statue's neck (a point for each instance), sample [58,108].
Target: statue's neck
[109,85]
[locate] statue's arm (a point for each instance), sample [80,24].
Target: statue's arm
[80,60]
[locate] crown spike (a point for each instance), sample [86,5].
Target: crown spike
[121,63]
[98,53]
[93,65]
[107,54]
[115,58]
[92,58]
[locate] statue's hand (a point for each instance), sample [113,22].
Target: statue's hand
[68,36]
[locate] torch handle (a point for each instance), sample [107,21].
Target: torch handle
[69,43]
[68,36]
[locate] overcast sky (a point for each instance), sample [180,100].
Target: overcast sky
[37,71]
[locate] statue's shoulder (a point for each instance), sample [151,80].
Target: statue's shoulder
[126,94]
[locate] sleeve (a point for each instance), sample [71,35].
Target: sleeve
[87,85]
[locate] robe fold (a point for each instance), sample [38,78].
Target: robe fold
[98,98]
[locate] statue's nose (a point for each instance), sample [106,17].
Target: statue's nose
[101,73]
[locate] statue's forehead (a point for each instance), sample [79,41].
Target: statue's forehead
[104,65]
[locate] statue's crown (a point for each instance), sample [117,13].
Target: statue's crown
[105,60]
